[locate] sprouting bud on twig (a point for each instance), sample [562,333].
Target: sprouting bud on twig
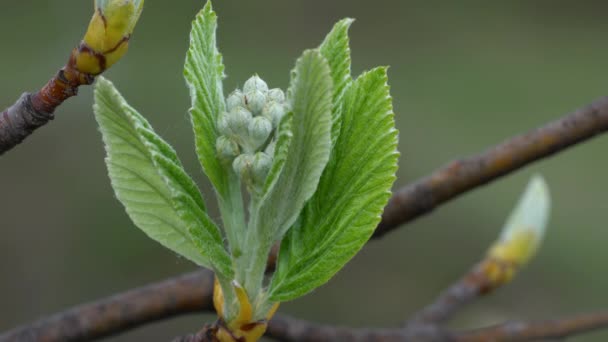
[522,234]
[107,38]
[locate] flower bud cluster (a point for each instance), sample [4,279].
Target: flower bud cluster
[248,127]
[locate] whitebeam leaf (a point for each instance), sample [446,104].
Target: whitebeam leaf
[149,180]
[354,188]
[204,72]
[335,48]
[309,149]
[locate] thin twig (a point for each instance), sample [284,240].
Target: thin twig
[460,176]
[542,330]
[482,279]
[407,204]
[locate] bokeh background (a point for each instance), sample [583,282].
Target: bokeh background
[464,76]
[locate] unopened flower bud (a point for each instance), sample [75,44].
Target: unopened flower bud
[235,99]
[261,166]
[222,124]
[276,95]
[275,112]
[242,165]
[227,148]
[238,122]
[255,100]
[255,83]
[259,131]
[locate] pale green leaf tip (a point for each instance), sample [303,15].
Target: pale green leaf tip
[526,226]
[532,211]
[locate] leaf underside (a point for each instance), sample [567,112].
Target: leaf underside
[149,180]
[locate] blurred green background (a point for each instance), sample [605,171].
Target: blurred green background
[464,76]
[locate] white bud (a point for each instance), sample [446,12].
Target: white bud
[255,100]
[261,166]
[255,83]
[222,124]
[259,131]
[227,148]
[238,122]
[242,165]
[235,99]
[275,112]
[276,95]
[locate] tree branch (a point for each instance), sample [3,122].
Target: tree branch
[184,294]
[460,176]
[543,330]
[180,295]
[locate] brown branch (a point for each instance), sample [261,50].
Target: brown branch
[463,175]
[184,294]
[407,204]
[543,330]
[482,279]
[34,110]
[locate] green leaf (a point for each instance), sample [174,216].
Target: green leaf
[149,180]
[204,72]
[335,48]
[354,188]
[285,135]
[311,96]
[311,90]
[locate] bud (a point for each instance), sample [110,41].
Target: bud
[521,236]
[525,228]
[261,166]
[238,121]
[255,83]
[242,165]
[222,124]
[275,112]
[107,37]
[259,131]
[227,148]
[255,100]
[276,95]
[235,99]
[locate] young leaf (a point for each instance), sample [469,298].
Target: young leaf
[149,180]
[310,94]
[525,227]
[311,90]
[353,190]
[204,72]
[336,50]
